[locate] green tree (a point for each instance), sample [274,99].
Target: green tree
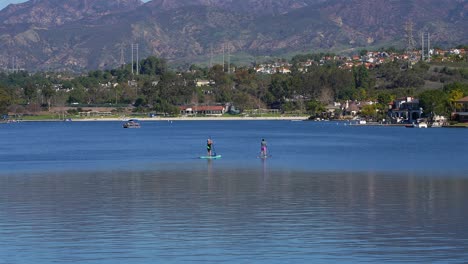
[384,98]
[153,66]
[361,77]
[280,86]
[434,102]
[457,86]
[369,111]
[77,95]
[453,96]
[30,92]
[48,92]
[5,100]
[315,108]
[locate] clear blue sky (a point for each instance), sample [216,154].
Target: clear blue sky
[4,3]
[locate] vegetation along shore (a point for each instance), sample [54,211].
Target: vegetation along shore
[383,86]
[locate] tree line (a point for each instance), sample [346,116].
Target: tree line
[156,88]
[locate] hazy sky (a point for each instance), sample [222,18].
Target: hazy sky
[4,3]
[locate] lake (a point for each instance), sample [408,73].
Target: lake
[93,192]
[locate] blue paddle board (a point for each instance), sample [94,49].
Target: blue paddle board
[211,157]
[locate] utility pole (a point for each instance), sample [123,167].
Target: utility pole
[138,60]
[122,60]
[428,47]
[132,60]
[425,56]
[223,56]
[135,48]
[229,58]
[422,46]
[211,56]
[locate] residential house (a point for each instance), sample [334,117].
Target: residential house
[350,108]
[201,82]
[461,112]
[406,108]
[333,108]
[215,110]
[284,70]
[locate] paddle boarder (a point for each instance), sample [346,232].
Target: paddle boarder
[263,148]
[209,146]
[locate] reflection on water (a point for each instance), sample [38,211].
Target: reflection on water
[213,215]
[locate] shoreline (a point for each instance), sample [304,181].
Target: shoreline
[161,119]
[213,118]
[217,118]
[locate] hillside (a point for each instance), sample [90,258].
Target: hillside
[88,34]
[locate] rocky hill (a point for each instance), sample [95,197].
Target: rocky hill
[89,34]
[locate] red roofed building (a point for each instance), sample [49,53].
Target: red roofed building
[202,110]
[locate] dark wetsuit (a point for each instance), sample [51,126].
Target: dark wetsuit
[209,144]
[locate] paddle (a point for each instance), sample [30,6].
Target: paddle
[213,148]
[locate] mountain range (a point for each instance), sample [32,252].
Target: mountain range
[81,35]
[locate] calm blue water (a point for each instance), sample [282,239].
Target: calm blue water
[312,146]
[93,192]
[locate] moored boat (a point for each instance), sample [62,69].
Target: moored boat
[132,123]
[421,125]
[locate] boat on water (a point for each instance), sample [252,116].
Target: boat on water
[421,125]
[132,123]
[436,124]
[417,125]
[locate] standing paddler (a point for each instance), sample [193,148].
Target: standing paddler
[263,148]
[209,146]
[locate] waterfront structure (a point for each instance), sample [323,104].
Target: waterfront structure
[213,110]
[94,114]
[350,108]
[461,112]
[406,108]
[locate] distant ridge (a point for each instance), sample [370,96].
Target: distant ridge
[88,34]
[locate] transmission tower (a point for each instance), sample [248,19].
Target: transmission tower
[122,59]
[137,60]
[132,60]
[211,56]
[229,57]
[135,48]
[426,39]
[224,45]
[14,64]
[410,43]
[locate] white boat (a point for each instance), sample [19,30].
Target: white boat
[421,125]
[436,124]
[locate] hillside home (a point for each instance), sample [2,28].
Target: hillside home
[333,108]
[284,70]
[350,108]
[461,113]
[406,108]
[201,82]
